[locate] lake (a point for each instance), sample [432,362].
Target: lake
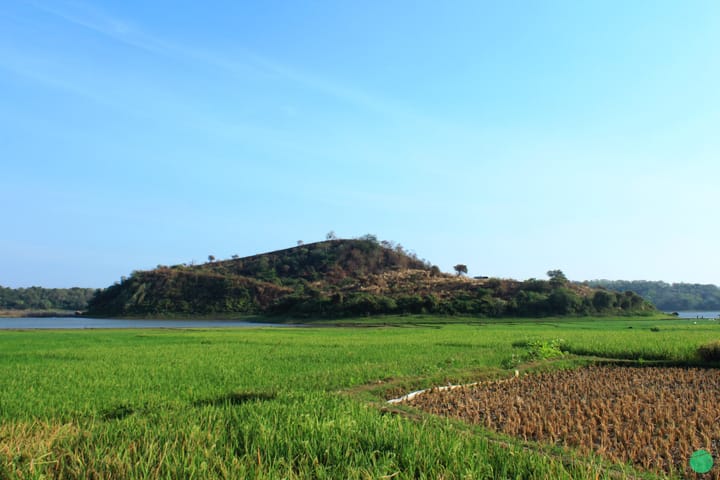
[694,314]
[84,322]
[79,323]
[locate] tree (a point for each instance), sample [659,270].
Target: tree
[331,235]
[557,278]
[211,258]
[460,269]
[369,237]
[564,301]
[603,300]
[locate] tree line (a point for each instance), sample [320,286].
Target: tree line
[667,296]
[38,298]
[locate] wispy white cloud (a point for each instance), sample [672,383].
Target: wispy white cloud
[419,136]
[46,71]
[92,18]
[240,63]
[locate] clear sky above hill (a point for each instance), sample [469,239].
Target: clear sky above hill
[515,137]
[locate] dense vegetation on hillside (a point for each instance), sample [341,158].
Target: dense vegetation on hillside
[339,278]
[666,296]
[37,298]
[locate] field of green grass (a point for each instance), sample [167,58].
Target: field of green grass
[293,402]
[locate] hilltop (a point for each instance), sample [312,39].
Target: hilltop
[337,278]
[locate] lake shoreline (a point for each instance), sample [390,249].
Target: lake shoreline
[78,322]
[37,313]
[84,322]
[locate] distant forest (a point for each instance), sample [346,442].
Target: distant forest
[667,296]
[38,298]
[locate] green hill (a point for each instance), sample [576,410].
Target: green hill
[338,278]
[668,296]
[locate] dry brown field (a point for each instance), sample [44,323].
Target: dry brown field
[654,418]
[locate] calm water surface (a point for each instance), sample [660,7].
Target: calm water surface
[696,315]
[84,322]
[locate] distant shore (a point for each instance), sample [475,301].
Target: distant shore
[36,313]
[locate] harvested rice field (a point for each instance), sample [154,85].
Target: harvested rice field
[654,418]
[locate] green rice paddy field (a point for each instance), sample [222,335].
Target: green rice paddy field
[296,402]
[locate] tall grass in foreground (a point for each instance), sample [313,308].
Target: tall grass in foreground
[278,403]
[310,436]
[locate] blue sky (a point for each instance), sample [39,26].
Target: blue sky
[515,137]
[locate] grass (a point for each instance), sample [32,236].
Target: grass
[289,403]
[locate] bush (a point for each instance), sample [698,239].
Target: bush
[710,352]
[543,350]
[536,350]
